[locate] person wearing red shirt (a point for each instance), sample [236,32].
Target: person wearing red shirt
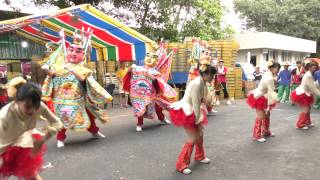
[222,79]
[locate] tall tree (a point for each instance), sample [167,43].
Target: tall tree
[297,18]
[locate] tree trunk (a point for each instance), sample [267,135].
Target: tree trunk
[146,10]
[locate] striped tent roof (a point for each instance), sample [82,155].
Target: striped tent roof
[119,42]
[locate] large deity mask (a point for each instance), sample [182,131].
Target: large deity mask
[151,59]
[75,54]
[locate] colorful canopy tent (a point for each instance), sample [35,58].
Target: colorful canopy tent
[111,40]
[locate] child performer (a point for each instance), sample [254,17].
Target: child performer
[303,95]
[21,151]
[190,114]
[263,99]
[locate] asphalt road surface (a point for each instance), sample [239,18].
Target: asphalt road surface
[151,155]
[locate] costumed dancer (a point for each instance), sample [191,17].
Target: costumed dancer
[190,113]
[263,99]
[202,56]
[284,79]
[296,76]
[73,91]
[21,151]
[149,93]
[303,95]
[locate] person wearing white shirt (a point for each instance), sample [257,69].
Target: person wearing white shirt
[303,95]
[190,113]
[263,99]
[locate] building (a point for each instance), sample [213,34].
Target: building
[258,47]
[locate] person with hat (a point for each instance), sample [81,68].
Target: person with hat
[284,79]
[264,99]
[222,79]
[303,95]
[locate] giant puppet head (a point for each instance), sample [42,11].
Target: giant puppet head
[75,52]
[151,59]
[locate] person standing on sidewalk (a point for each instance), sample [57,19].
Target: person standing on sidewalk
[122,71]
[284,79]
[222,79]
[317,79]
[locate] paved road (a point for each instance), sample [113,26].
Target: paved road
[151,155]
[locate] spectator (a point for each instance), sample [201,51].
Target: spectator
[222,79]
[317,79]
[257,75]
[284,79]
[122,71]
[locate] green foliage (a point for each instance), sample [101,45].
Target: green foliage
[297,18]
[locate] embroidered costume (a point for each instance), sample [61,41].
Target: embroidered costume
[74,93]
[149,92]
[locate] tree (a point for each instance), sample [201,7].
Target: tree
[297,18]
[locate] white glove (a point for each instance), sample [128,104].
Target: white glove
[67,67]
[45,67]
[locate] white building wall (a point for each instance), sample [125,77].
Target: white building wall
[291,57]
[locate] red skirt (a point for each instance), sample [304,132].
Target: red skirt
[261,103]
[21,162]
[179,118]
[302,99]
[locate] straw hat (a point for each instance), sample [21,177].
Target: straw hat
[286,63]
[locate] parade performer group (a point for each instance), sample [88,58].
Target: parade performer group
[71,91]
[72,99]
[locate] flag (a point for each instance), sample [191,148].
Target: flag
[164,66]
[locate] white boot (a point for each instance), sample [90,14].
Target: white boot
[165,121]
[261,140]
[98,135]
[229,102]
[60,144]
[187,171]
[311,125]
[138,128]
[205,161]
